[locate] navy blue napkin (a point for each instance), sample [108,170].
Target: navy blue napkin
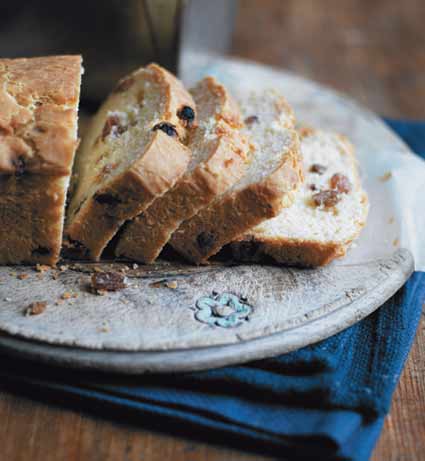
[325,401]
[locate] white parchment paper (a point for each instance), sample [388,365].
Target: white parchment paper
[393,176]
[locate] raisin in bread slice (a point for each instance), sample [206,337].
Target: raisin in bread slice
[38,136]
[269,185]
[219,159]
[329,211]
[132,154]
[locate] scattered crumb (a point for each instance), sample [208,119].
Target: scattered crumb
[104,329]
[40,276]
[135,266]
[8,300]
[13,274]
[63,268]
[396,242]
[107,281]
[171,284]
[41,268]
[385,177]
[391,220]
[164,283]
[97,269]
[23,276]
[75,295]
[157,284]
[35,308]
[59,302]
[66,295]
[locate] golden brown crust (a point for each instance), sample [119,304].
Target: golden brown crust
[287,251]
[144,238]
[127,195]
[38,124]
[238,211]
[31,214]
[38,101]
[299,252]
[156,169]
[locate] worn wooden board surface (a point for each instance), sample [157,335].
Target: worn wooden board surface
[186,327]
[380,47]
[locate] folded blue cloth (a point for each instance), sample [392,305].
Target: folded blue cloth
[325,401]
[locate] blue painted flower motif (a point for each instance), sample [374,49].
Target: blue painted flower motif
[225,310]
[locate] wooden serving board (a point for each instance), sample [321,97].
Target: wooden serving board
[176,317]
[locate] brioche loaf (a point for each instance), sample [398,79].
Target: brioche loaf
[269,185]
[219,159]
[328,213]
[38,136]
[132,154]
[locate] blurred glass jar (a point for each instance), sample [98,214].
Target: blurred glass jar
[114,36]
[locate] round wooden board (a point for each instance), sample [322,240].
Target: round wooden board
[176,317]
[353,291]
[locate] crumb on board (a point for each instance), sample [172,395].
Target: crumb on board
[385,177]
[135,266]
[105,328]
[42,268]
[35,308]
[66,295]
[102,282]
[396,242]
[157,284]
[8,300]
[171,284]
[164,283]
[63,268]
[22,276]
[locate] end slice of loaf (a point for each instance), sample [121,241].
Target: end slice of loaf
[219,159]
[329,211]
[269,185]
[132,154]
[38,136]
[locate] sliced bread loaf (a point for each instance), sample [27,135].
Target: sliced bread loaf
[269,185]
[38,136]
[219,159]
[132,154]
[329,210]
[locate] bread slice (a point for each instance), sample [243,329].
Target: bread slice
[38,136]
[219,159]
[268,186]
[132,154]
[329,211]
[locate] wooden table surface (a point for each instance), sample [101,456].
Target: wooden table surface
[372,50]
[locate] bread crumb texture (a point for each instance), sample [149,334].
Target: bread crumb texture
[305,220]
